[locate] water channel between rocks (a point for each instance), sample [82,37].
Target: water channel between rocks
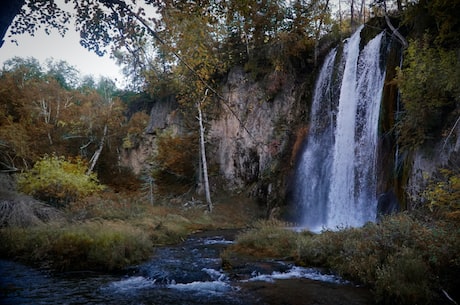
[188,274]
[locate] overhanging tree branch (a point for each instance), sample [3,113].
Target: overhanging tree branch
[395,31]
[129,11]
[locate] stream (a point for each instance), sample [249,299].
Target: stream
[187,274]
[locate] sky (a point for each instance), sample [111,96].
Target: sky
[67,48]
[43,46]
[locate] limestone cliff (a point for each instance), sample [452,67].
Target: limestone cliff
[253,129]
[251,140]
[427,160]
[250,133]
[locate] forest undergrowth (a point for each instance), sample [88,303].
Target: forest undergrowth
[403,259]
[107,231]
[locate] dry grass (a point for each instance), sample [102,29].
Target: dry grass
[23,211]
[107,232]
[92,245]
[267,239]
[404,260]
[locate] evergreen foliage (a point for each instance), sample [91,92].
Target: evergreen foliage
[429,88]
[443,194]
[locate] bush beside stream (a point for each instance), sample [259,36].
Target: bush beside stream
[106,233]
[404,260]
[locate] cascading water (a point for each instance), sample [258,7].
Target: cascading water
[336,181]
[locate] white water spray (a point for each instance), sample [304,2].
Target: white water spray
[336,179]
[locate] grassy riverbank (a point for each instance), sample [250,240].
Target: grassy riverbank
[403,259]
[110,232]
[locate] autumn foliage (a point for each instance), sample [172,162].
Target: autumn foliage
[58,181]
[175,161]
[41,113]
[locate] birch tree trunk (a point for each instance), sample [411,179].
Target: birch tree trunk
[97,153]
[398,35]
[203,156]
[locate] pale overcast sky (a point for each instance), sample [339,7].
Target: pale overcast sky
[43,46]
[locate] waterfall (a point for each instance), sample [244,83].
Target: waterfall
[335,183]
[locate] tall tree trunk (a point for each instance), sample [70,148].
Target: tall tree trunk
[362,12]
[352,13]
[318,31]
[340,16]
[203,156]
[97,153]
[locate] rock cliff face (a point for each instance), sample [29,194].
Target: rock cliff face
[251,139]
[252,131]
[162,115]
[427,160]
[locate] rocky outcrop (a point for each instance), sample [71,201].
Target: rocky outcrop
[427,160]
[164,114]
[252,135]
[249,138]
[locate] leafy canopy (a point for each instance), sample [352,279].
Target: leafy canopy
[428,83]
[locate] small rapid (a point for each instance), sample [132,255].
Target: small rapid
[190,273]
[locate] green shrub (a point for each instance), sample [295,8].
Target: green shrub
[444,194]
[267,239]
[428,83]
[405,278]
[58,181]
[402,259]
[91,245]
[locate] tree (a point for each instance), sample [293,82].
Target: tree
[28,16]
[40,114]
[9,10]
[189,36]
[204,161]
[429,91]
[24,69]
[66,75]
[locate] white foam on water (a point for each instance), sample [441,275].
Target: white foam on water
[218,241]
[215,274]
[202,287]
[132,283]
[298,272]
[218,284]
